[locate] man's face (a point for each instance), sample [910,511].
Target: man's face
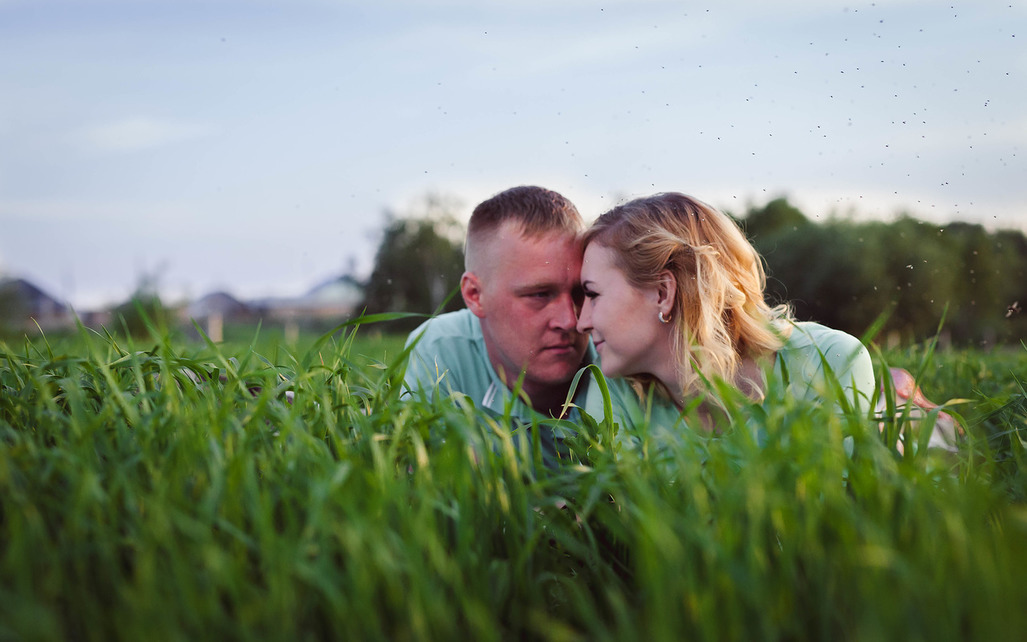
[527,300]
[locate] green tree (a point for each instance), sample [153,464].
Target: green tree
[143,307]
[776,217]
[822,271]
[975,303]
[844,274]
[418,263]
[1010,270]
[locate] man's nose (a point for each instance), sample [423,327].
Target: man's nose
[565,316]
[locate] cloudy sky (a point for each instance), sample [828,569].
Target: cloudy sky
[254,145]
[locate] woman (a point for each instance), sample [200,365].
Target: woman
[674,298]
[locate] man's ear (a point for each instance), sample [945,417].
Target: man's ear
[470,288]
[666,292]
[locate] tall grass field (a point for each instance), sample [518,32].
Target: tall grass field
[169,489]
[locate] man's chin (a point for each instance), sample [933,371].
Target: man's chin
[559,371]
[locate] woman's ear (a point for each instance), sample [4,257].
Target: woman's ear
[666,292]
[471,290]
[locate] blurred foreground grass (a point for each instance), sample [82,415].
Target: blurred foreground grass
[166,489]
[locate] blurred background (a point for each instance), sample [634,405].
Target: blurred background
[298,162]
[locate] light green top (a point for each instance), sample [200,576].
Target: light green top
[798,363]
[843,353]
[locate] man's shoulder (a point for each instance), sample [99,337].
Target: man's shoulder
[450,352]
[458,326]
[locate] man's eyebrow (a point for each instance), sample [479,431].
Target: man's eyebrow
[535,287]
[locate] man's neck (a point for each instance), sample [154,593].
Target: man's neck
[550,400]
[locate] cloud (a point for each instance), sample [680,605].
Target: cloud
[139,133]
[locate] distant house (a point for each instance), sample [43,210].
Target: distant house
[334,299]
[212,310]
[331,300]
[217,303]
[23,305]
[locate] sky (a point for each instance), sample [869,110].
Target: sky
[256,146]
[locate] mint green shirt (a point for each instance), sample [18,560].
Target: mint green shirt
[450,356]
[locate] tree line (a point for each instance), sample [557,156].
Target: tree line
[844,273]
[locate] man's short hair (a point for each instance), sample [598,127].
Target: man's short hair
[536,210]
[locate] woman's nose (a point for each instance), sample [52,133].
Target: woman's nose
[585,317]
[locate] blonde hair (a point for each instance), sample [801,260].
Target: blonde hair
[719,308]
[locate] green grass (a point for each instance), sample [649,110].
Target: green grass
[164,488]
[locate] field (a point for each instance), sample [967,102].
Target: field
[167,488]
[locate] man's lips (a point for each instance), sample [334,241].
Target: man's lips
[560,347]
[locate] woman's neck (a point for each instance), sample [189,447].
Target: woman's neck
[750,379]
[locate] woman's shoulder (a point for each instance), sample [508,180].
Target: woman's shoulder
[813,346]
[809,335]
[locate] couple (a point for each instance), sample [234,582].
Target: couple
[673,295]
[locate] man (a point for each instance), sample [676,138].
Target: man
[522,259]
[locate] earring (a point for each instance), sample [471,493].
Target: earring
[662,320]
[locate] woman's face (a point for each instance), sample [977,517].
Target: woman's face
[622,319]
